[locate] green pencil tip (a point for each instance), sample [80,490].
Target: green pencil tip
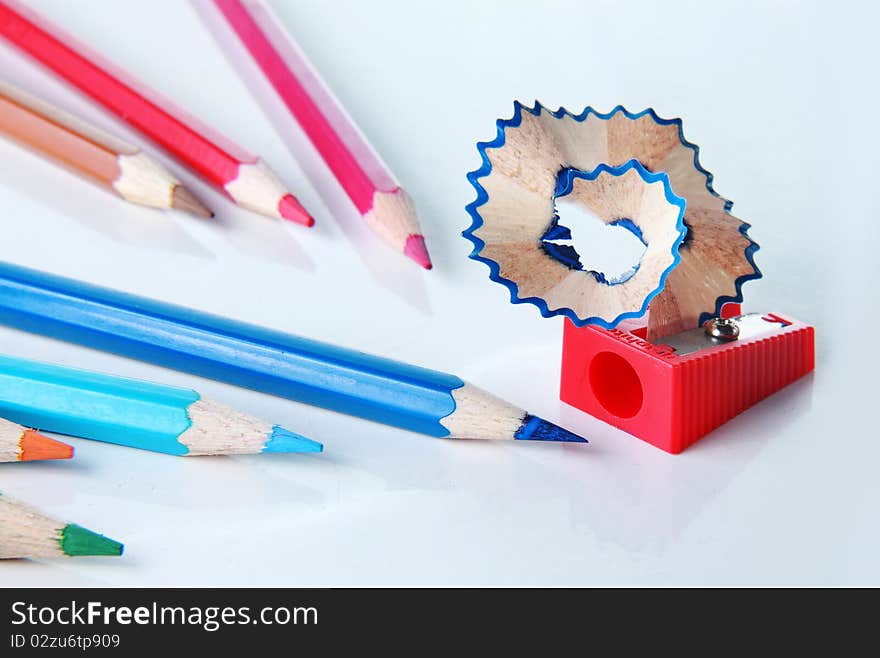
[77,541]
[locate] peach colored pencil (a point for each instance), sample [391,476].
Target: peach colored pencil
[241,175]
[112,163]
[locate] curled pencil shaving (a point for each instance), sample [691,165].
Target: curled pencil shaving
[518,177]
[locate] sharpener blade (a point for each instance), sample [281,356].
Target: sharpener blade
[751,325]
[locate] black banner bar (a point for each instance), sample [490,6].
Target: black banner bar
[132,621]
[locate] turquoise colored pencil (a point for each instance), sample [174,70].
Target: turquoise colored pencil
[28,533]
[139,414]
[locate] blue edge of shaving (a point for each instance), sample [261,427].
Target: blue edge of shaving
[482,196]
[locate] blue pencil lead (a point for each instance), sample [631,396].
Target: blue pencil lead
[283,440]
[534,428]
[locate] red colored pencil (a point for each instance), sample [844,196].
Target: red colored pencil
[370,185]
[243,176]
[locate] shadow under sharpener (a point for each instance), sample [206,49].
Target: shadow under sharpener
[671,400]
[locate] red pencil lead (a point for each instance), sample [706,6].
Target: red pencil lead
[415,248]
[293,210]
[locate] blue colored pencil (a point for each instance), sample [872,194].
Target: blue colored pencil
[133,413]
[344,380]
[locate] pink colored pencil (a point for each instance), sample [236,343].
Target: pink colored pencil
[384,205]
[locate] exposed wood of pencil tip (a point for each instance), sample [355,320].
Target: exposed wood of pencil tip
[481,415]
[144,180]
[221,430]
[258,188]
[393,217]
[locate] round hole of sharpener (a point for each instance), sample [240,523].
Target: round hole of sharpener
[616,385]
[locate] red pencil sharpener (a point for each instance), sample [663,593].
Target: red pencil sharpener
[672,394]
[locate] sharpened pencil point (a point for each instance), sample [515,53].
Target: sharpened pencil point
[415,248]
[290,208]
[76,541]
[283,440]
[184,200]
[538,429]
[36,447]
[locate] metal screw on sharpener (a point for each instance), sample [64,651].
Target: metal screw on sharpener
[724,329]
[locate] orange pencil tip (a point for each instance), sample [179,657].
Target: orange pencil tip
[35,447]
[415,248]
[291,209]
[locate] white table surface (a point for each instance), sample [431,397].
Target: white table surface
[778,95]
